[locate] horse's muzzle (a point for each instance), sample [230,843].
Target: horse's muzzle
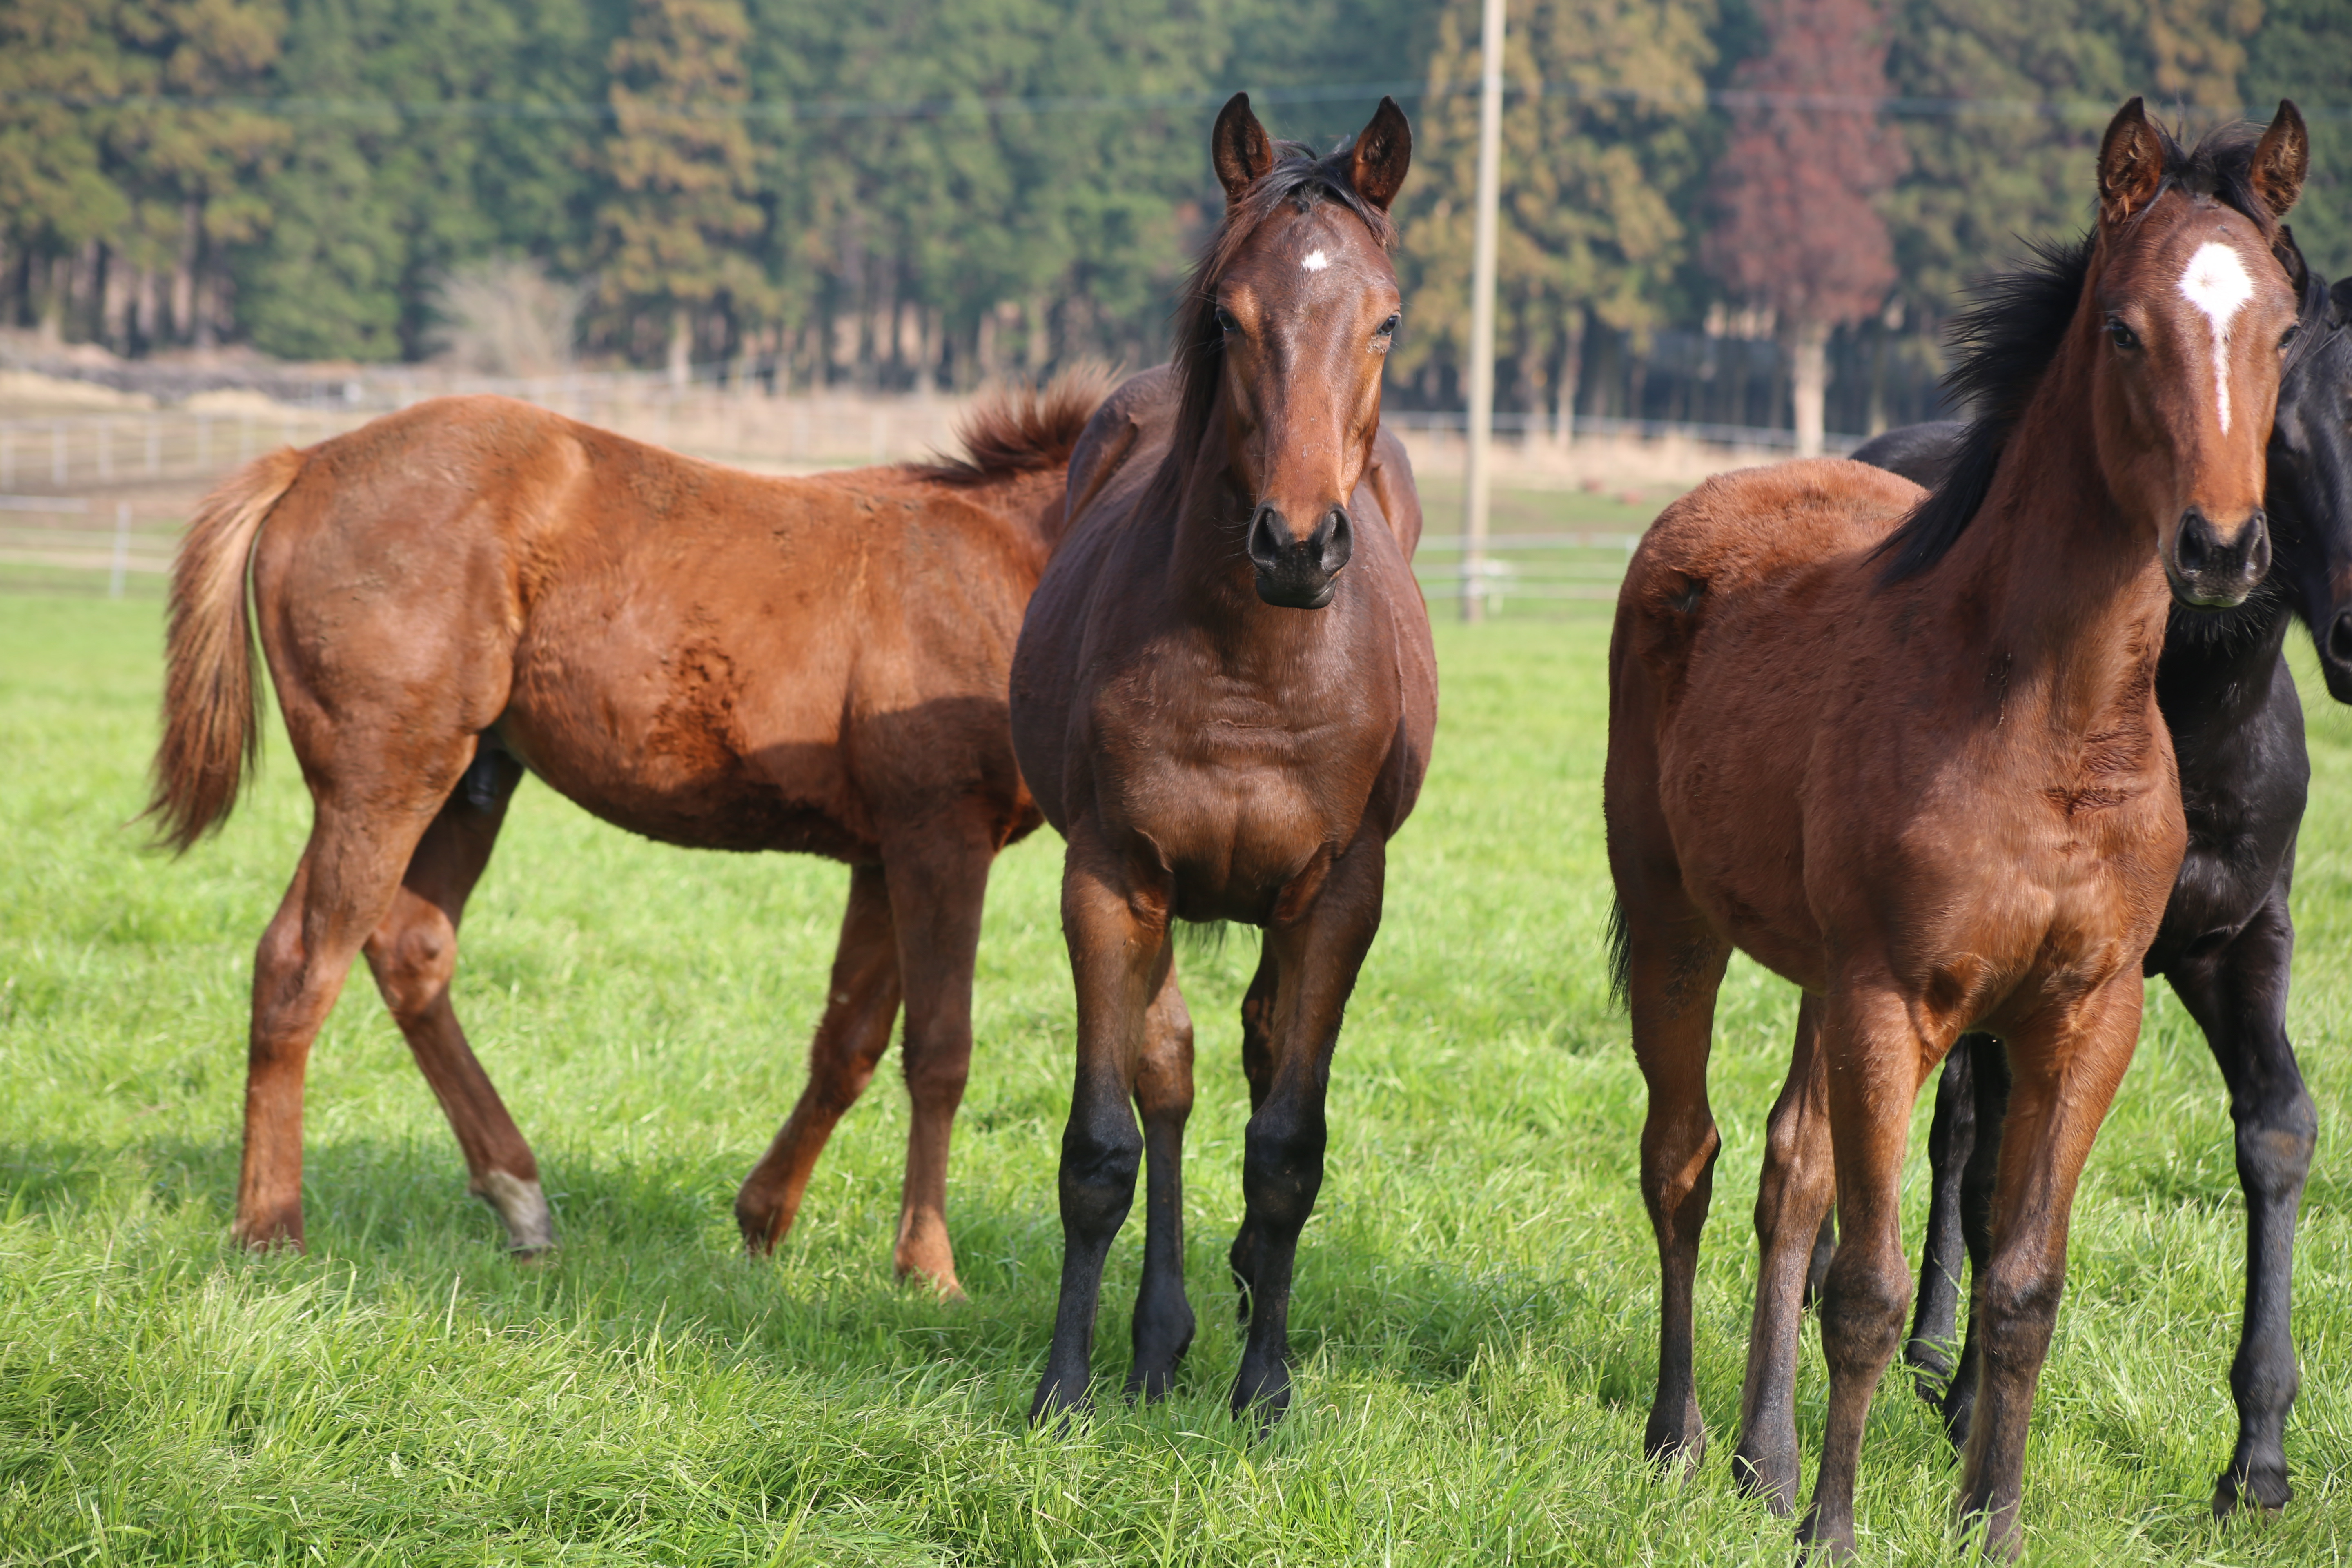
[1298,573]
[2210,572]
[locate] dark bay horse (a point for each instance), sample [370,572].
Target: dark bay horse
[1906,752]
[2229,700]
[472,587]
[1225,698]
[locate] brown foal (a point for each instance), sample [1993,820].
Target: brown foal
[472,587]
[1224,697]
[1921,773]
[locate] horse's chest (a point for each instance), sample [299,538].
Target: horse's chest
[1238,808]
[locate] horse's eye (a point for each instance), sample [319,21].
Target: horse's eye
[1388,328]
[2122,336]
[2288,336]
[1226,323]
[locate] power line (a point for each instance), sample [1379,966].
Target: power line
[1899,107]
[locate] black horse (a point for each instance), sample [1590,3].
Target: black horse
[2225,942]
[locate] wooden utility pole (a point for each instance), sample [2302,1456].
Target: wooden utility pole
[1480,430]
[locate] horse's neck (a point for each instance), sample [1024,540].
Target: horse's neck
[2077,597]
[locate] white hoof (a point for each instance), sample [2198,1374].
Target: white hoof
[531,1226]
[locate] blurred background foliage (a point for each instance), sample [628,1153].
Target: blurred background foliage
[907,196]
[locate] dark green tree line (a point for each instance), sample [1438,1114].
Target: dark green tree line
[930,193]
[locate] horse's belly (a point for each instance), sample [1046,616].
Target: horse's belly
[703,795]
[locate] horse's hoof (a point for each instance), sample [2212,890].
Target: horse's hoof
[2261,1490]
[1817,1543]
[944,1287]
[1674,1444]
[1055,1409]
[1770,1479]
[1267,1398]
[1931,1371]
[522,1207]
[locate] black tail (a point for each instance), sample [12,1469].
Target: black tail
[1621,955]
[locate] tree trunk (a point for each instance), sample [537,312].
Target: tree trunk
[681,347]
[1571,373]
[1809,381]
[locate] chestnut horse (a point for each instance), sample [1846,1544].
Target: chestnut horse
[2226,945]
[1922,773]
[472,587]
[1224,697]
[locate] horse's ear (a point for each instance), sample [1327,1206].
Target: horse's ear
[1382,153]
[2282,158]
[1240,147]
[2131,163]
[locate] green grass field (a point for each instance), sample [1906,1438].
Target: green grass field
[1475,1313]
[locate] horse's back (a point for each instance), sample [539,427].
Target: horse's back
[704,654]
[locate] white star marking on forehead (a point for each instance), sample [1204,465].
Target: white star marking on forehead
[2217,284]
[1316,261]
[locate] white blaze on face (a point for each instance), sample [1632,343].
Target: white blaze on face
[2217,284]
[1316,261]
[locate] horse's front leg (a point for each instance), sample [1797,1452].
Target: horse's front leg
[2064,1074]
[1872,1055]
[1163,1095]
[1117,937]
[1318,956]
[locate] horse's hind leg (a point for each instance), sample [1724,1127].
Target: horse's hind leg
[1979,1174]
[1164,1098]
[1675,964]
[1257,1068]
[1950,1138]
[413,953]
[938,884]
[349,875]
[1792,1200]
[2238,996]
[861,1003]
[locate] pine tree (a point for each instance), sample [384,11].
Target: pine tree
[2303,51]
[682,215]
[1796,185]
[55,195]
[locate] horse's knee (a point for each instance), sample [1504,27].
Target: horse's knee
[1862,1308]
[1282,1170]
[2020,1308]
[936,1075]
[1099,1169]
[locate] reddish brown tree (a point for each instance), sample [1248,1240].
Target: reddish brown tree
[1809,150]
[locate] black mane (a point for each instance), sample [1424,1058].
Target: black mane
[1300,178]
[2013,328]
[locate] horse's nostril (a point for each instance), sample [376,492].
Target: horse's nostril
[1266,536]
[2339,638]
[2195,548]
[1336,542]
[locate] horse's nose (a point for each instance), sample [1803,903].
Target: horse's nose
[2212,573]
[1296,572]
[2339,638]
